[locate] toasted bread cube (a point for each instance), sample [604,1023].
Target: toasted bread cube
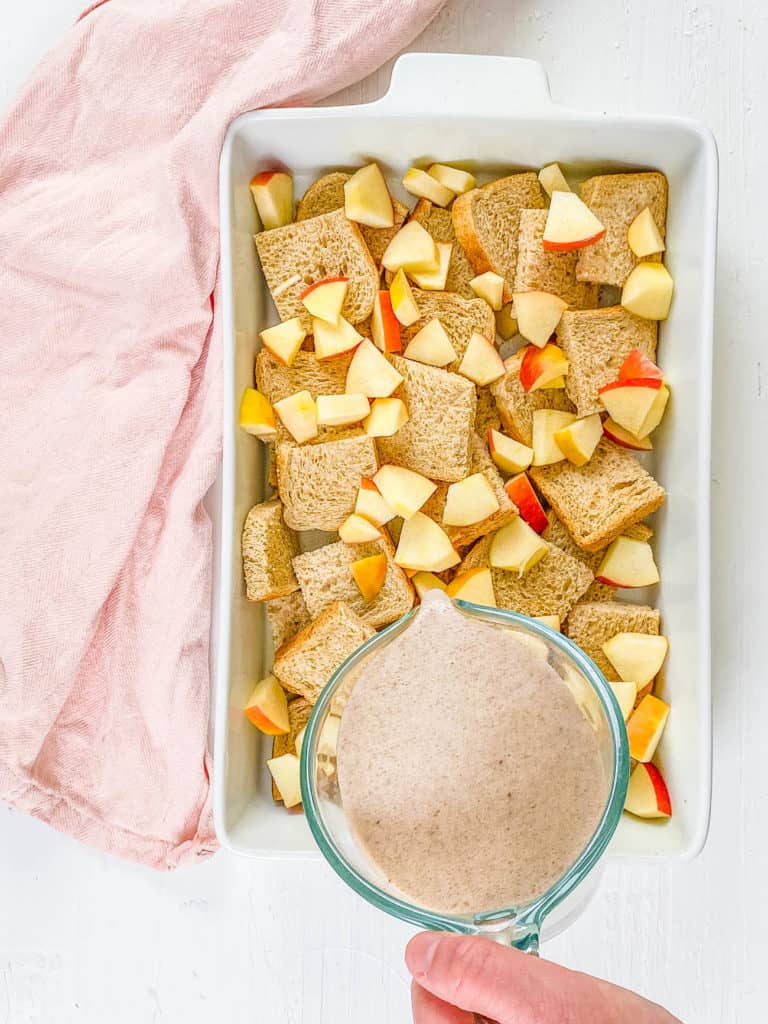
[268,547]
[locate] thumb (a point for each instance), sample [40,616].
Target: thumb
[511,987]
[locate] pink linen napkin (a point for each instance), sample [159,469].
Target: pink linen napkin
[110,393]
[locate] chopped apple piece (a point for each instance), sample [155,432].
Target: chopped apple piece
[636,656]
[412,248]
[426,581]
[434,280]
[628,563]
[481,362]
[386,417]
[426,186]
[371,505]
[570,224]
[538,314]
[403,303]
[579,440]
[623,437]
[267,708]
[470,501]
[638,365]
[272,192]
[552,179]
[522,494]
[325,299]
[516,547]
[554,385]
[341,410]
[284,340]
[489,286]
[553,621]
[367,199]
[369,574]
[298,414]
[370,373]
[647,793]
[285,771]
[542,366]
[299,741]
[403,490]
[357,529]
[509,455]
[475,585]
[456,180]
[425,546]
[431,345]
[645,726]
[546,423]
[637,404]
[626,695]
[643,236]
[385,327]
[647,292]
[331,341]
[506,323]
[256,415]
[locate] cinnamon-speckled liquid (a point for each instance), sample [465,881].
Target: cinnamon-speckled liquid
[467,772]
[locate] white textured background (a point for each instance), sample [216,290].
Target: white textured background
[86,939]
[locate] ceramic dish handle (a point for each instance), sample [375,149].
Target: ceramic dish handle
[454,83]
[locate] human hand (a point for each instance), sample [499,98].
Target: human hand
[458,976]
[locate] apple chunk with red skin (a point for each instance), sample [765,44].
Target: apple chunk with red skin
[637,365]
[647,793]
[636,404]
[267,708]
[570,224]
[325,299]
[628,563]
[272,192]
[424,546]
[542,366]
[385,327]
[509,455]
[521,492]
[470,501]
[370,574]
[623,437]
[645,726]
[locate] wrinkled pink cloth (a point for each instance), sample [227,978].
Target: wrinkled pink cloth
[110,393]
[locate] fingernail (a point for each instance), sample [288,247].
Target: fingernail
[421,953]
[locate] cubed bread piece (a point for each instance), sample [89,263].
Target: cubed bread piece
[598,501]
[556,533]
[616,199]
[286,616]
[312,250]
[308,373]
[439,223]
[318,483]
[268,547]
[308,660]
[542,271]
[325,576]
[299,711]
[437,439]
[596,342]
[590,625]
[460,317]
[487,414]
[516,408]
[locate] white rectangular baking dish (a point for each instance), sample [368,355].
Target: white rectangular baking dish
[519,127]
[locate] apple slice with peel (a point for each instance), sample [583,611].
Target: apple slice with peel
[456,180]
[403,303]
[412,248]
[298,414]
[357,529]
[256,415]
[334,340]
[481,362]
[553,621]
[546,423]
[435,280]
[431,345]
[622,437]
[285,770]
[424,546]
[371,505]
[385,327]
[341,410]
[404,490]
[636,656]
[426,186]
[426,581]
[386,417]
[645,726]
[284,340]
[648,290]
[552,179]
[489,286]
[647,793]
[475,585]
[542,366]
[521,492]
[325,299]
[506,322]
[538,314]
[570,224]
[267,708]
[643,236]
[370,574]
[637,365]
[470,501]
[272,192]
[579,440]
[516,547]
[626,695]
[636,404]
[370,373]
[509,455]
[367,199]
[628,563]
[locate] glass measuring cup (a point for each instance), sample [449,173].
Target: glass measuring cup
[518,925]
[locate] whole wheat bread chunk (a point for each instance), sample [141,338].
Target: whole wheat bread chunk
[487,414]
[598,501]
[556,533]
[308,373]
[299,711]
[437,439]
[268,547]
[541,271]
[286,616]
[325,246]
[308,660]
[516,408]
[439,223]
[591,624]
[596,342]
[460,317]
[318,483]
[487,222]
[327,193]
[551,587]
[325,576]
[616,199]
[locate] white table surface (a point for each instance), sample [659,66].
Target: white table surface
[84,938]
